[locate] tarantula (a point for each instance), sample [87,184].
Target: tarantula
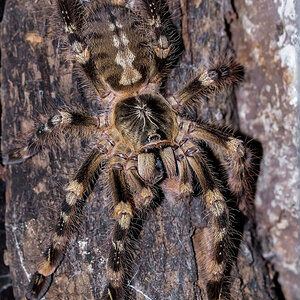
[146,140]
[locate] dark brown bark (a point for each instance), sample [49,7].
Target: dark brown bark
[34,72]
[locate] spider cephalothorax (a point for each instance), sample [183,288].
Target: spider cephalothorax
[145,139]
[146,121]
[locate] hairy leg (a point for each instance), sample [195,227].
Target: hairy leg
[166,39]
[64,121]
[235,155]
[69,221]
[72,15]
[220,76]
[216,240]
[122,213]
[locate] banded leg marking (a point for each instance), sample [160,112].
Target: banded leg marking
[123,212]
[68,223]
[71,15]
[237,156]
[166,40]
[216,79]
[46,133]
[218,213]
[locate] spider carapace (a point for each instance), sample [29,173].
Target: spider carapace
[123,52]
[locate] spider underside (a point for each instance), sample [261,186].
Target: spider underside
[145,140]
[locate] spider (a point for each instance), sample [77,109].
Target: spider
[146,140]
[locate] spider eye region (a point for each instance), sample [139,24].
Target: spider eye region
[145,121]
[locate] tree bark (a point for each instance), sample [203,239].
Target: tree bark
[35,79]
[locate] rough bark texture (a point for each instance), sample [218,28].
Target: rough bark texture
[34,73]
[269,111]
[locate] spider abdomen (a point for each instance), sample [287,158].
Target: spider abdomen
[118,48]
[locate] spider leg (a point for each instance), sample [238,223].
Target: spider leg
[165,37]
[185,188]
[233,151]
[218,77]
[141,192]
[122,212]
[72,17]
[71,122]
[217,236]
[130,194]
[69,220]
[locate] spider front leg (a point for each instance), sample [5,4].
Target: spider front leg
[69,221]
[64,121]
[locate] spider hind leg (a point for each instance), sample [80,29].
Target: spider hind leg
[122,212]
[68,223]
[216,235]
[165,38]
[236,158]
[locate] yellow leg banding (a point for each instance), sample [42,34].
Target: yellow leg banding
[235,147]
[123,211]
[212,196]
[71,198]
[122,208]
[46,268]
[116,278]
[75,187]
[109,294]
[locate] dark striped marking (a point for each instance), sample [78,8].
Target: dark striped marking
[220,253]
[66,207]
[38,286]
[115,258]
[53,256]
[51,124]
[214,289]
[81,175]
[60,227]
[119,233]
[119,189]
[40,131]
[223,220]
